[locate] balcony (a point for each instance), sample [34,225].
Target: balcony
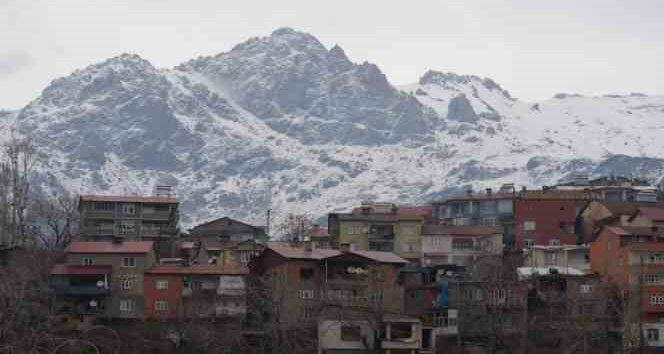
[81,290]
[99,214]
[157,215]
[99,230]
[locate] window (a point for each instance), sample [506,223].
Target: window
[354,246]
[529,226]
[105,206]
[550,258]
[306,294]
[128,209]
[657,299]
[554,242]
[355,230]
[489,221]
[162,284]
[462,244]
[306,273]
[436,241]
[306,313]
[245,257]
[129,262]
[410,246]
[652,334]
[127,283]
[530,242]
[351,333]
[127,305]
[445,319]
[161,305]
[87,261]
[586,288]
[127,227]
[654,258]
[651,278]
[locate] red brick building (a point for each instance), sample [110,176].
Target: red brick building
[544,222]
[196,290]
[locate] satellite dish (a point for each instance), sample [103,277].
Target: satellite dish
[100,284]
[350,270]
[93,303]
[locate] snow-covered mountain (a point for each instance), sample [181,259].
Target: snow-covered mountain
[283,123]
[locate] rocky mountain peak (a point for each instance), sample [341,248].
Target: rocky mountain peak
[449,79]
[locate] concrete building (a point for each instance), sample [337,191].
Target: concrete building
[572,256]
[460,245]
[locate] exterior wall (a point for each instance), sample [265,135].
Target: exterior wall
[577,258]
[437,249]
[329,335]
[548,216]
[226,227]
[408,239]
[173,294]
[361,238]
[606,255]
[143,262]
[592,214]
[147,224]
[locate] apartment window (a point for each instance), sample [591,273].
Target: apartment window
[306,313]
[306,273]
[128,209]
[554,242]
[652,334]
[529,225]
[127,305]
[245,257]
[410,246]
[462,244]
[87,261]
[161,305]
[355,230]
[443,319]
[105,206]
[306,294]
[651,278]
[551,258]
[586,288]
[489,221]
[127,227]
[436,241]
[654,258]
[657,299]
[351,333]
[530,242]
[127,283]
[129,262]
[162,284]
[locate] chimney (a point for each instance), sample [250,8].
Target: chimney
[308,246]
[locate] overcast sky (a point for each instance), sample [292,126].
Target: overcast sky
[533,48]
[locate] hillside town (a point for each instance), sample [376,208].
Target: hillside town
[578,265]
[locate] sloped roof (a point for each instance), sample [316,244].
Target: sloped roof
[208,223]
[66,269]
[320,253]
[128,199]
[652,213]
[461,230]
[109,247]
[200,269]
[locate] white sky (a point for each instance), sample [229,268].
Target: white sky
[533,48]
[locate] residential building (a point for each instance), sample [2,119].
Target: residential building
[381,227]
[103,278]
[597,214]
[227,229]
[572,256]
[131,218]
[211,251]
[459,244]
[633,259]
[488,209]
[542,220]
[320,237]
[173,291]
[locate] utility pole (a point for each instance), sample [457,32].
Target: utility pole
[267,225]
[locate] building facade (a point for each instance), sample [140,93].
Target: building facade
[460,245]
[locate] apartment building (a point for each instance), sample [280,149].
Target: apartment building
[383,227]
[102,278]
[227,229]
[597,214]
[567,256]
[128,217]
[459,244]
[193,291]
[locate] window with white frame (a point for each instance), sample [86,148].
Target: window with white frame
[127,283]
[128,209]
[355,230]
[245,257]
[128,262]
[161,305]
[529,242]
[127,305]
[654,258]
[162,284]
[554,242]
[651,278]
[436,241]
[87,261]
[657,299]
[306,294]
[550,258]
[444,319]
[586,288]
[462,244]
[529,225]
[652,334]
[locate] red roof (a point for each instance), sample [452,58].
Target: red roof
[128,199]
[656,214]
[109,247]
[201,269]
[65,269]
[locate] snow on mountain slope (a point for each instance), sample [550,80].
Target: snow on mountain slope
[283,123]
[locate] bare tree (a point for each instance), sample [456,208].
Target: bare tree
[55,221]
[295,226]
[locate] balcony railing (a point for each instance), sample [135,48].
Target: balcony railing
[157,215]
[82,290]
[99,214]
